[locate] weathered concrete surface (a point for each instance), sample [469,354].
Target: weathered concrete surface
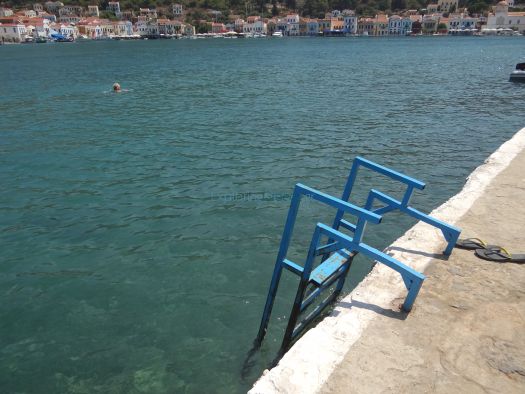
[374,306]
[467,332]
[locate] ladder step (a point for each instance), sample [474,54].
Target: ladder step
[291,266]
[328,267]
[349,226]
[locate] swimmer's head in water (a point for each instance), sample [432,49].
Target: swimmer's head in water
[116,87]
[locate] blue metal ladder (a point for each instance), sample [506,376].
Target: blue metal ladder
[338,252]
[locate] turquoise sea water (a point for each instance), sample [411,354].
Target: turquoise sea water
[138,231]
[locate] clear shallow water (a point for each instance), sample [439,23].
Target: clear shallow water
[138,231]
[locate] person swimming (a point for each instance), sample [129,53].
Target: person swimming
[116,87]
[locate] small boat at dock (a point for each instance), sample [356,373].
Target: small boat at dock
[518,75]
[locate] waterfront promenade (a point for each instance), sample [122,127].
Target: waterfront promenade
[465,333]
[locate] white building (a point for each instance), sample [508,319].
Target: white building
[6,11]
[68,31]
[350,22]
[38,7]
[12,32]
[461,22]
[501,18]
[254,25]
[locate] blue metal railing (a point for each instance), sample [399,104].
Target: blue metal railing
[450,233]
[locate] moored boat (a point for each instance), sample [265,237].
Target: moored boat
[518,75]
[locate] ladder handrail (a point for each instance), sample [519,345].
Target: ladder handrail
[398,176]
[450,232]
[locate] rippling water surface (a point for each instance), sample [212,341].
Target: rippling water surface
[138,231]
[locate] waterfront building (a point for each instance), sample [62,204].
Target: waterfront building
[282,26]
[91,27]
[303,29]
[349,21]
[417,27]
[430,24]
[147,28]
[293,24]
[122,28]
[458,23]
[365,26]
[37,27]
[69,31]
[217,28]
[399,26]
[12,32]
[238,25]
[501,18]
[448,5]
[254,25]
[337,24]
[324,24]
[380,25]
[167,26]
[93,11]
[312,27]
[394,25]
[189,30]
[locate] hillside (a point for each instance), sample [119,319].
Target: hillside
[312,8]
